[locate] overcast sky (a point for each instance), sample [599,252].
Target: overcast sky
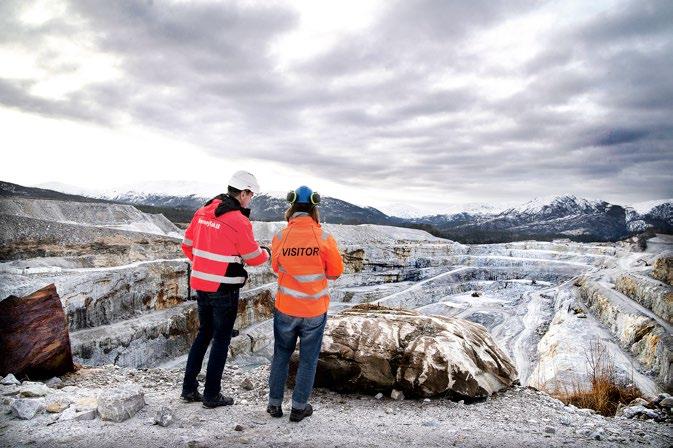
[420,102]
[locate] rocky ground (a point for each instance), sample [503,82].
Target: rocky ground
[519,416]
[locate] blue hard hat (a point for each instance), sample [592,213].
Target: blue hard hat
[303,195]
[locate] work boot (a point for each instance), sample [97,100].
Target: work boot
[298,415]
[191,396]
[220,400]
[275,411]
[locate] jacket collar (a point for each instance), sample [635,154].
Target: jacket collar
[302,218]
[227,204]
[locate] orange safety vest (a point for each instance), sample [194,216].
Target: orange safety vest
[304,256]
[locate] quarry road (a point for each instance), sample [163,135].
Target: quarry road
[533,259]
[416,285]
[124,266]
[627,304]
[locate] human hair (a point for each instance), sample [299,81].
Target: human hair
[233,192]
[311,209]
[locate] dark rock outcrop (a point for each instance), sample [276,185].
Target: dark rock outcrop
[34,338]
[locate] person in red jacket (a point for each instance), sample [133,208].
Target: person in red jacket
[305,256]
[218,241]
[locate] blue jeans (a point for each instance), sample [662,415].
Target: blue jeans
[217,314]
[286,329]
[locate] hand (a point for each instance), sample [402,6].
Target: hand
[268,251]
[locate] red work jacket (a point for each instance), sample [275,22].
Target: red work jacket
[219,245]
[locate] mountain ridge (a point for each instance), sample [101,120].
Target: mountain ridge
[543,218]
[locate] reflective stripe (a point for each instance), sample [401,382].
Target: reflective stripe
[302,295]
[216,257]
[305,278]
[309,277]
[217,278]
[325,234]
[187,242]
[254,254]
[279,234]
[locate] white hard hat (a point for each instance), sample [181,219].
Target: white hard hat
[242,180]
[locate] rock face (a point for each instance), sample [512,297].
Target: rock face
[663,268]
[649,293]
[34,335]
[112,216]
[647,337]
[121,403]
[371,349]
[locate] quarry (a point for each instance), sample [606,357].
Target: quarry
[543,308]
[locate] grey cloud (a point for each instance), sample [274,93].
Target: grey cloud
[204,73]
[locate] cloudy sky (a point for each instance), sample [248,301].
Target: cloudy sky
[377,102]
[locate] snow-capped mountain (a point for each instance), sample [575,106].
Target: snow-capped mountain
[553,217]
[646,207]
[408,211]
[565,216]
[402,210]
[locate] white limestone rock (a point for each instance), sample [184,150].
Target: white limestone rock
[10,380]
[121,403]
[164,416]
[27,408]
[369,348]
[34,389]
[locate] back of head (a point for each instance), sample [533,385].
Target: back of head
[305,200]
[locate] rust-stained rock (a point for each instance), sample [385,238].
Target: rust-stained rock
[254,307]
[663,269]
[648,339]
[375,349]
[34,336]
[649,293]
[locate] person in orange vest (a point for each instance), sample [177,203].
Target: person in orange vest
[304,256]
[218,241]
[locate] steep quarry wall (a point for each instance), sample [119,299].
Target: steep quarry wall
[112,216]
[126,296]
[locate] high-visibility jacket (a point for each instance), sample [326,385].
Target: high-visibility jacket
[218,241]
[305,256]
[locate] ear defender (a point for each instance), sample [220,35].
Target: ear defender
[303,195]
[291,197]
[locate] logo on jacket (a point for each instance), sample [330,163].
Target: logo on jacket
[300,251]
[213,224]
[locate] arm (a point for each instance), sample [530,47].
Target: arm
[248,248]
[334,265]
[275,250]
[188,241]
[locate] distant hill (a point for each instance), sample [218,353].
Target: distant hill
[566,216]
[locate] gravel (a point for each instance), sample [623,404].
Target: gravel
[517,417]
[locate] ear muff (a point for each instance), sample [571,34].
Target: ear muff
[315,198]
[291,197]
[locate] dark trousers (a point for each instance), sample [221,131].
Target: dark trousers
[217,314]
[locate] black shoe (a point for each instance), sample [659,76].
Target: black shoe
[191,396]
[298,415]
[275,411]
[220,400]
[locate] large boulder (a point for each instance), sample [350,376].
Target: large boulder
[371,349]
[34,335]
